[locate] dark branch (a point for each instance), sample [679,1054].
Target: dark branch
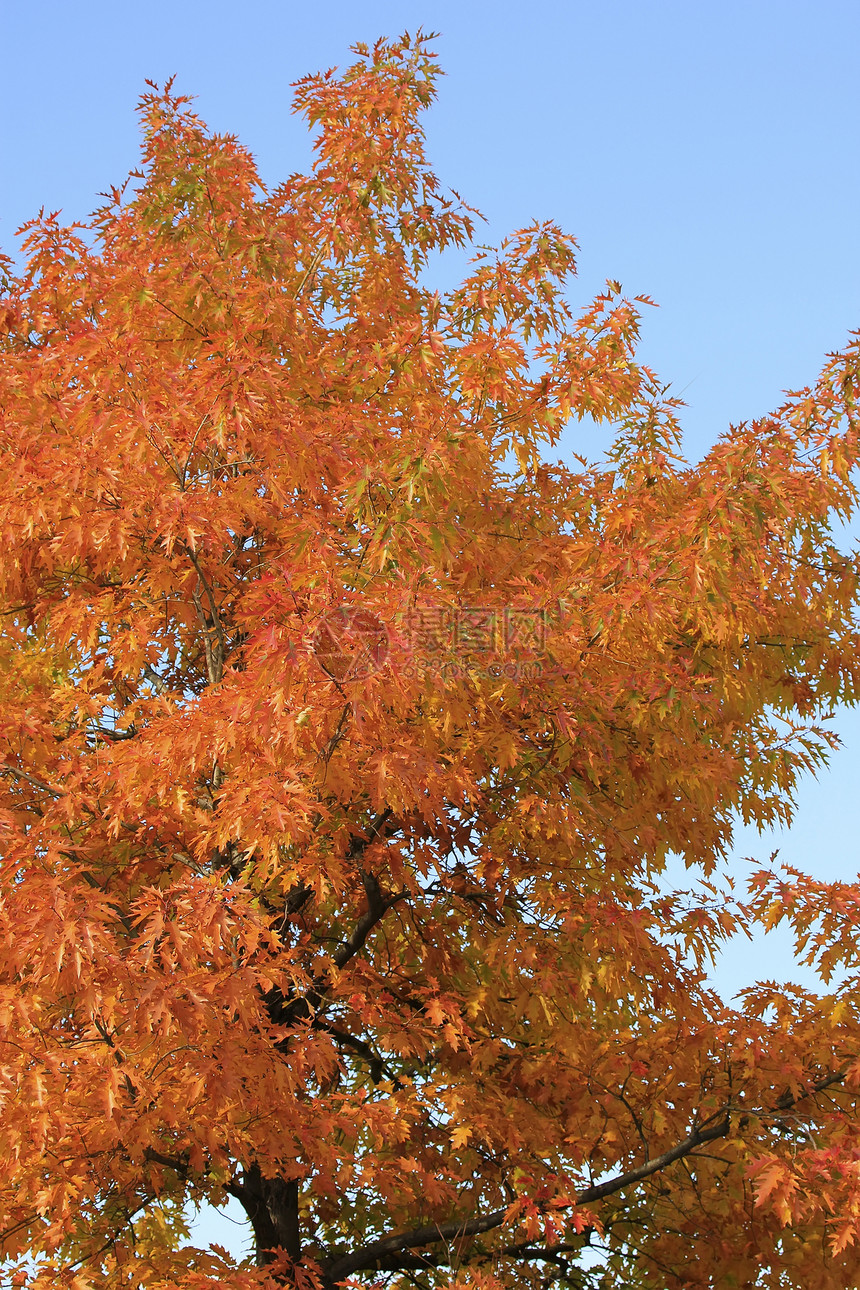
[379,1253]
[356,1045]
[377,908]
[285,1012]
[788,1100]
[216,653]
[176,1163]
[703,1133]
[113,736]
[30,779]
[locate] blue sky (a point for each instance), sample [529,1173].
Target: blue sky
[703,153]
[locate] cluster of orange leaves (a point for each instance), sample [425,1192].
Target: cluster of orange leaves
[393,943]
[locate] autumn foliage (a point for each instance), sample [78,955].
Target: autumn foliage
[347,734]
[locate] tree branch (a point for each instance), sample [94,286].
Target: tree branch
[431,1234]
[31,779]
[703,1133]
[717,1126]
[377,904]
[378,907]
[374,1060]
[176,1163]
[216,657]
[286,1011]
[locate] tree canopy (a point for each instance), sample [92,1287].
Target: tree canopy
[348,733]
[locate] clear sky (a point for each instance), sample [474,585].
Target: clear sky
[703,153]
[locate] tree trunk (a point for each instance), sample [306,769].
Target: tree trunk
[272,1206]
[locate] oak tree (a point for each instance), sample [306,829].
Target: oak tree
[349,725]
